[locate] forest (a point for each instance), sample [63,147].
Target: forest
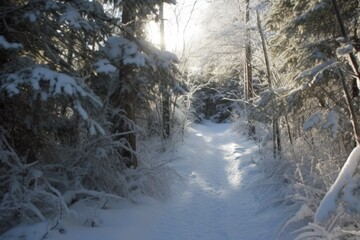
[101,100]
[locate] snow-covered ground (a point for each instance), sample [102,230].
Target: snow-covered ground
[220,197]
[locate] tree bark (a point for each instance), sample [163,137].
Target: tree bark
[353,60]
[248,86]
[126,91]
[275,122]
[288,128]
[353,117]
[248,55]
[263,43]
[165,94]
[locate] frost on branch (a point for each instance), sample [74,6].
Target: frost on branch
[317,73]
[345,49]
[332,122]
[312,121]
[343,189]
[11,46]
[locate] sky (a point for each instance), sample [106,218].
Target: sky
[182,24]
[201,31]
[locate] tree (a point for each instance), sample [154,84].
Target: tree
[44,103]
[66,71]
[248,58]
[307,36]
[165,95]
[275,122]
[317,59]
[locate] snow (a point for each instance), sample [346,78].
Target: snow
[328,204]
[218,198]
[158,58]
[6,45]
[81,111]
[302,214]
[59,82]
[317,71]
[332,122]
[312,121]
[104,66]
[169,56]
[95,128]
[317,7]
[343,50]
[31,16]
[118,48]
[342,40]
[72,17]
[50,5]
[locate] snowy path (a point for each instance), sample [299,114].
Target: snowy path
[219,198]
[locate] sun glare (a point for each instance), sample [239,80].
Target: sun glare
[172,41]
[183,26]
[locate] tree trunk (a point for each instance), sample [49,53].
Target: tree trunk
[248,91]
[288,128]
[353,117]
[275,121]
[355,66]
[263,43]
[126,91]
[165,93]
[353,60]
[278,139]
[248,55]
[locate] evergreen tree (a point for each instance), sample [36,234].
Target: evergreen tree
[66,71]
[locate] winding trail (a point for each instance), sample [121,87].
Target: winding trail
[221,197]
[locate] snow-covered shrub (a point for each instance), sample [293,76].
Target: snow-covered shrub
[337,215]
[310,172]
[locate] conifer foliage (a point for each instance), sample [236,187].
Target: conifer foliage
[66,70]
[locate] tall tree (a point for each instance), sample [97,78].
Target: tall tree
[248,55]
[165,93]
[127,90]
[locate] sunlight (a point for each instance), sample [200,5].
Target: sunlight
[153,33]
[182,25]
[172,40]
[204,184]
[234,174]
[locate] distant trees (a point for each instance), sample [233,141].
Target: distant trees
[214,95]
[74,83]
